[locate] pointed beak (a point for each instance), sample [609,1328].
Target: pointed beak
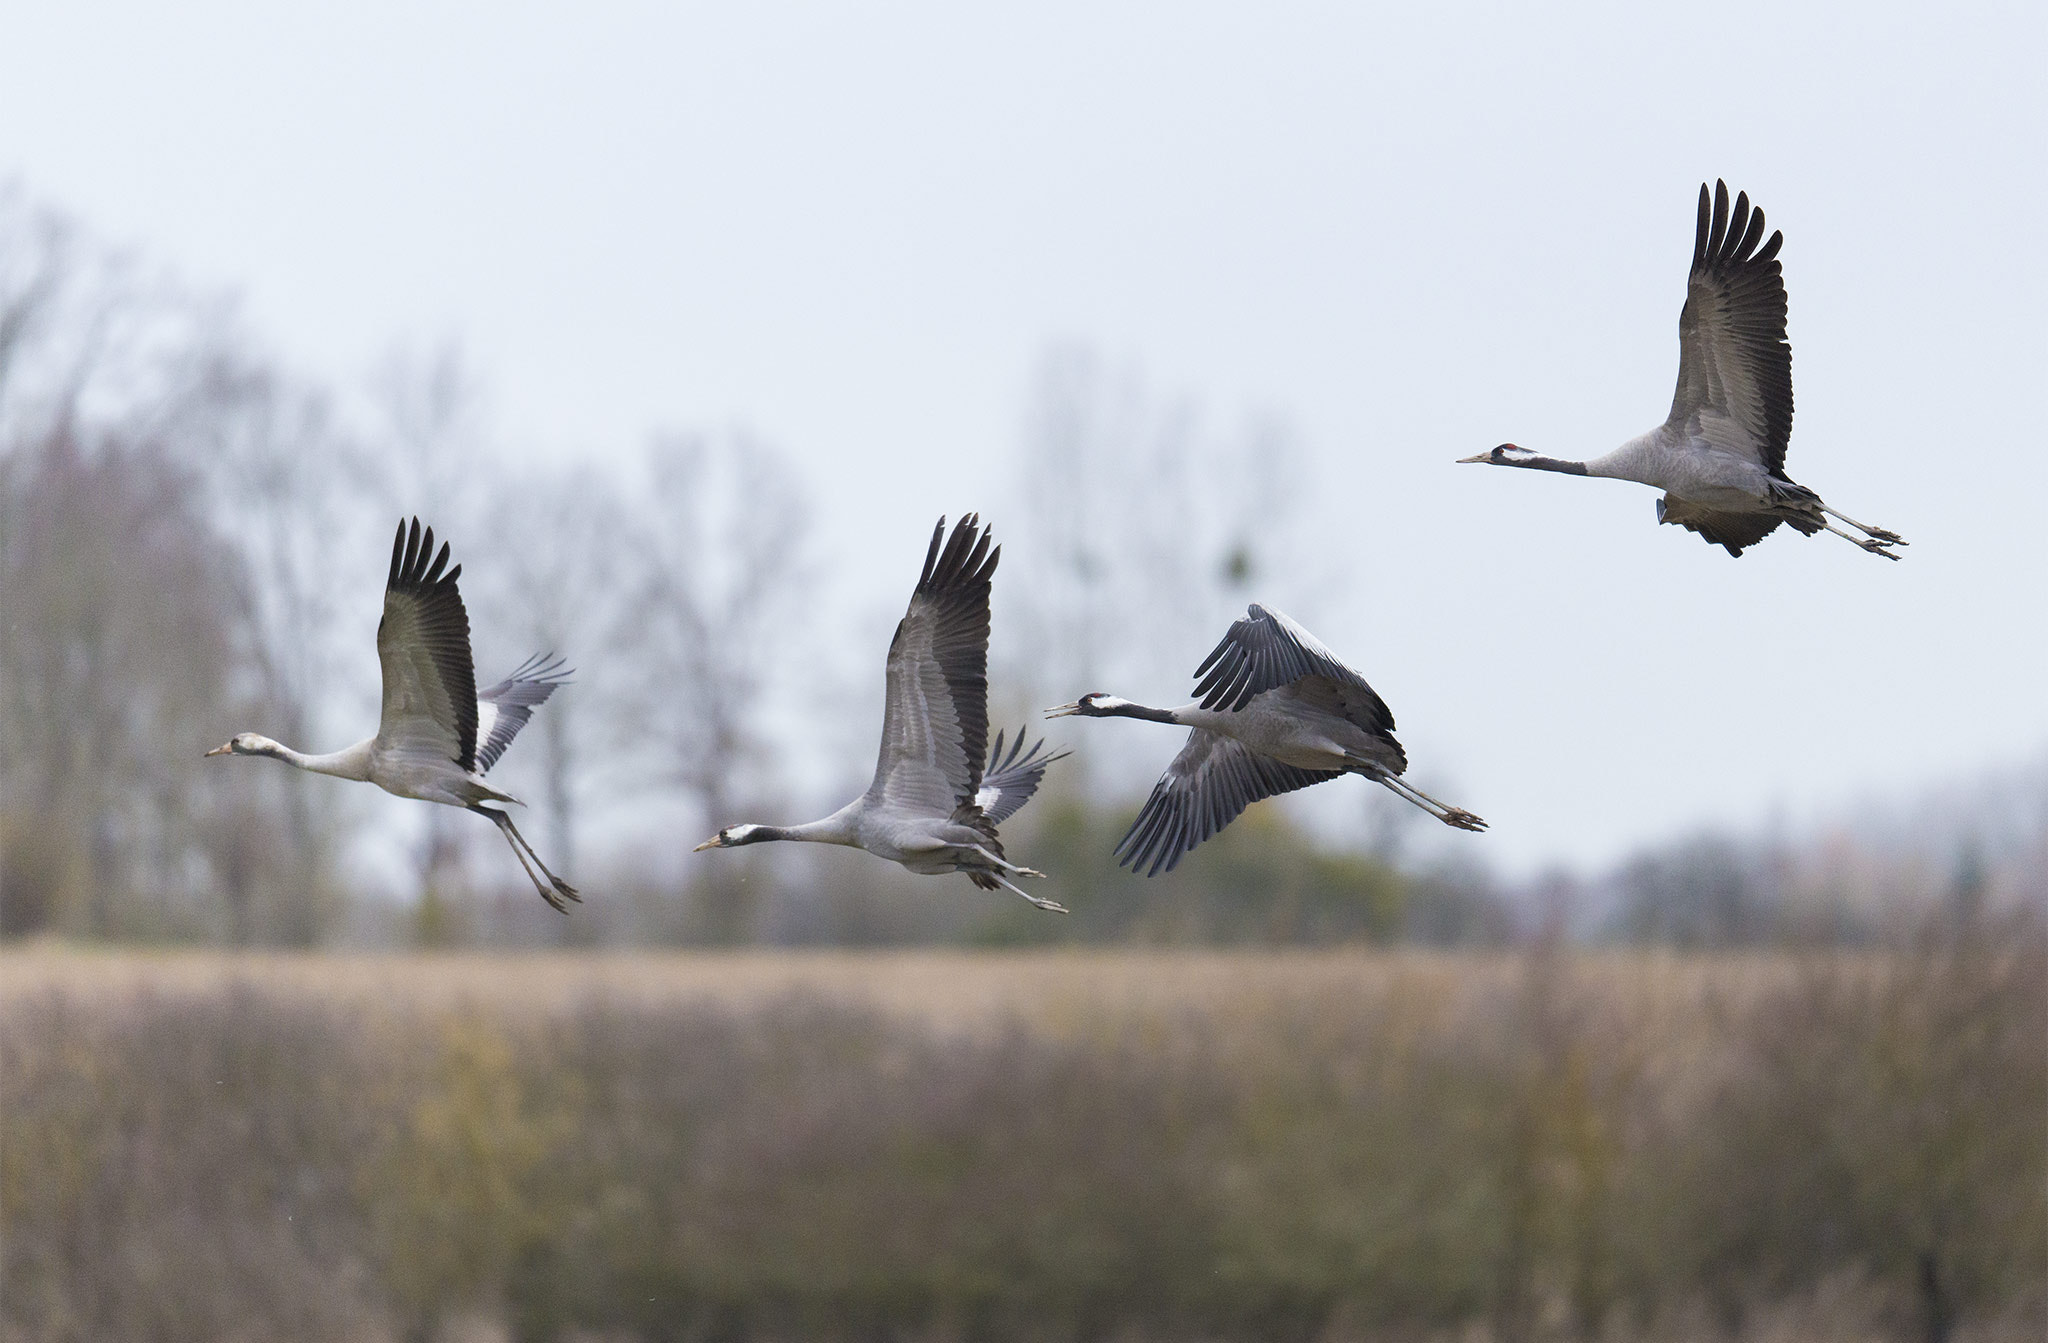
[1482,458]
[221,750]
[715,842]
[1063,710]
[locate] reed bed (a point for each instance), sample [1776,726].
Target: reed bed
[1077,1145]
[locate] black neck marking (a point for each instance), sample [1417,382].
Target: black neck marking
[1551,464]
[1146,712]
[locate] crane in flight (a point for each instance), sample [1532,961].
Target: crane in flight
[1719,456]
[438,734]
[1275,711]
[933,807]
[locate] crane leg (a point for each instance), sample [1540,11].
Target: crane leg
[1877,534]
[1051,906]
[1003,865]
[1873,545]
[1457,817]
[523,851]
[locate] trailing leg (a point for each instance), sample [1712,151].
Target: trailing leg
[1004,865]
[1874,546]
[1051,906]
[522,850]
[1456,817]
[1877,534]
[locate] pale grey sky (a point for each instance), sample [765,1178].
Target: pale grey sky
[1413,232]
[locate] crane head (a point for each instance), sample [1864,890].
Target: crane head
[244,743]
[732,837]
[1507,454]
[1093,705]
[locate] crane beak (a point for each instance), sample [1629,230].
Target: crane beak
[228,749]
[715,842]
[1484,457]
[1063,710]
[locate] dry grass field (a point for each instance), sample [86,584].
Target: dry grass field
[939,988]
[1089,1145]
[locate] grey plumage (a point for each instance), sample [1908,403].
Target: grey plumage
[505,708]
[1719,456]
[1276,711]
[427,744]
[937,794]
[1205,787]
[1008,783]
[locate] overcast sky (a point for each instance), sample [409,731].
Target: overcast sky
[1412,233]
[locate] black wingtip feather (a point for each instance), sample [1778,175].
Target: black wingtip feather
[1751,236]
[967,557]
[397,554]
[1699,237]
[931,554]
[443,623]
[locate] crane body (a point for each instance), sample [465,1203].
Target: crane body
[934,804]
[1278,711]
[1719,456]
[437,733]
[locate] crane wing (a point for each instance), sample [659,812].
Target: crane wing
[506,707]
[1009,782]
[935,721]
[1316,695]
[1265,651]
[1203,789]
[430,703]
[1734,365]
[1734,532]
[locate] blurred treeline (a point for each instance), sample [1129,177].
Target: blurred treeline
[193,540]
[1821,1146]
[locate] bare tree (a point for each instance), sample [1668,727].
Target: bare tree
[715,591]
[1147,532]
[552,578]
[284,482]
[129,625]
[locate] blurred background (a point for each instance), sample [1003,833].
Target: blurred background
[683,326]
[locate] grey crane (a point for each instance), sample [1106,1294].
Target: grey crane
[932,807]
[1719,456]
[438,733]
[1275,711]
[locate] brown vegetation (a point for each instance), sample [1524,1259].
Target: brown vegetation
[1322,1145]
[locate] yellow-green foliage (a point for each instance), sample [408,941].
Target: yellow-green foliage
[1511,1147]
[450,1195]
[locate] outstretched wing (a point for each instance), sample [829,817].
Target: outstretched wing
[430,707]
[1265,651]
[1734,365]
[1204,788]
[1009,782]
[506,707]
[935,722]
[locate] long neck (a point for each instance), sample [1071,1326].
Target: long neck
[351,762]
[1553,464]
[1640,459]
[1124,708]
[838,828]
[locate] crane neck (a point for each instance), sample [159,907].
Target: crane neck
[351,762]
[838,828]
[1123,708]
[827,831]
[1537,463]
